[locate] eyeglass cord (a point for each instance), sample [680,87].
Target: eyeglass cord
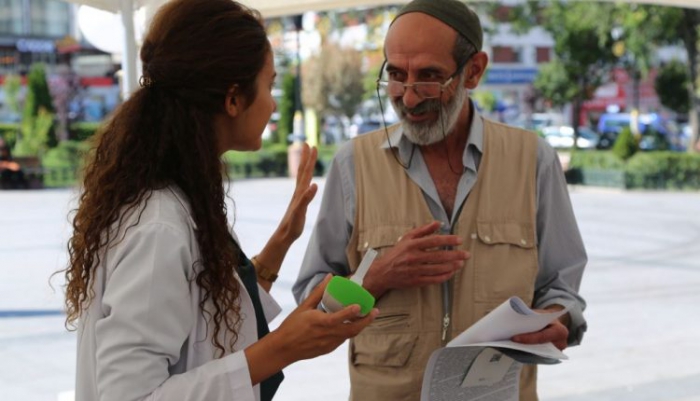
[386,132]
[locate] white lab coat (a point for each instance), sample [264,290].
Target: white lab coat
[143,336]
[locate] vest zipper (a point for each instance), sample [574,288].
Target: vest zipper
[445,309]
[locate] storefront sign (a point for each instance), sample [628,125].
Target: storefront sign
[499,75]
[35,46]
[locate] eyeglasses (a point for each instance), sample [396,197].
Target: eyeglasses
[425,90]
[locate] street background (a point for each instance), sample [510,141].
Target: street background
[642,285]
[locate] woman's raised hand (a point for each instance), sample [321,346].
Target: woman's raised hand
[292,224]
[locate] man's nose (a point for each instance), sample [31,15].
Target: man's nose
[410,97]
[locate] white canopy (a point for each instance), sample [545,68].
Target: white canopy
[268,8]
[274,8]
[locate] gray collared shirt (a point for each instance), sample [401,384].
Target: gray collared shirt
[562,256]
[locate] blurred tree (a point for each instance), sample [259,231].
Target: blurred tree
[582,43]
[36,129]
[485,99]
[335,83]
[689,33]
[286,109]
[582,33]
[38,88]
[11,87]
[626,144]
[672,80]
[370,82]
[640,30]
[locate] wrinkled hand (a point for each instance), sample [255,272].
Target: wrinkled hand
[292,224]
[309,332]
[556,333]
[416,260]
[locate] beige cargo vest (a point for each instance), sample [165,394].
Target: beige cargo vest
[497,223]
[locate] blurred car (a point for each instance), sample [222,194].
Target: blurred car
[364,127]
[562,137]
[661,133]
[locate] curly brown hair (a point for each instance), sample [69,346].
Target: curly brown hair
[196,51]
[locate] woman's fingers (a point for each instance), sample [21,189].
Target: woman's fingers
[311,302]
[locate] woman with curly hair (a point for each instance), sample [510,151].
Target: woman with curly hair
[167,305]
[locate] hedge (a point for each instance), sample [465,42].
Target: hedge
[62,164]
[663,170]
[8,132]
[271,160]
[646,170]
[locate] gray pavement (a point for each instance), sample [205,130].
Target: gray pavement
[642,285]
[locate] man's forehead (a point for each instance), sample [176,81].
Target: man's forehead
[418,33]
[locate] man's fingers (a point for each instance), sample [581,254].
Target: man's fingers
[553,333]
[436,257]
[422,231]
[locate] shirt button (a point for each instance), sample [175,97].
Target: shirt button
[473,235]
[366,244]
[487,238]
[522,241]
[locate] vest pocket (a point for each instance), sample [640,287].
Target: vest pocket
[383,349]
[505,261]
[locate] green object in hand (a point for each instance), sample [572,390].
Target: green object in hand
[342,292]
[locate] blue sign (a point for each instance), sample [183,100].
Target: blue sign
[510,75]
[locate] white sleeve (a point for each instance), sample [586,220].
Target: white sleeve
[148,317]
[270,307]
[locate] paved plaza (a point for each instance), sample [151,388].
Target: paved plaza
[642,285]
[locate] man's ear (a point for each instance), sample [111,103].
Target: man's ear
[475,69]
[233,102]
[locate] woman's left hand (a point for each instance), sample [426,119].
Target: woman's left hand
[292,224]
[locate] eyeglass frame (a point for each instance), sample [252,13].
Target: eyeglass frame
[442,86]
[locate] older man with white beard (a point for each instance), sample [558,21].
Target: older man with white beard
[464,212]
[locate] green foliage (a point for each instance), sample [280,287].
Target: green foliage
[370,82]
[34,137]
[37,126]
[38,94]
[485,99]
[672,86]
[625,145]
[555,83]
[8,132]
[11,87]
[603,160]
[271,160]
[642,29]
[63,163]
[83,130]
[646,170]
[663,170]
[582,43]
[286,108]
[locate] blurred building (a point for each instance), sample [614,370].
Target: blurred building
[46,31]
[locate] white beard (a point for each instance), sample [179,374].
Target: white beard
[430,132]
